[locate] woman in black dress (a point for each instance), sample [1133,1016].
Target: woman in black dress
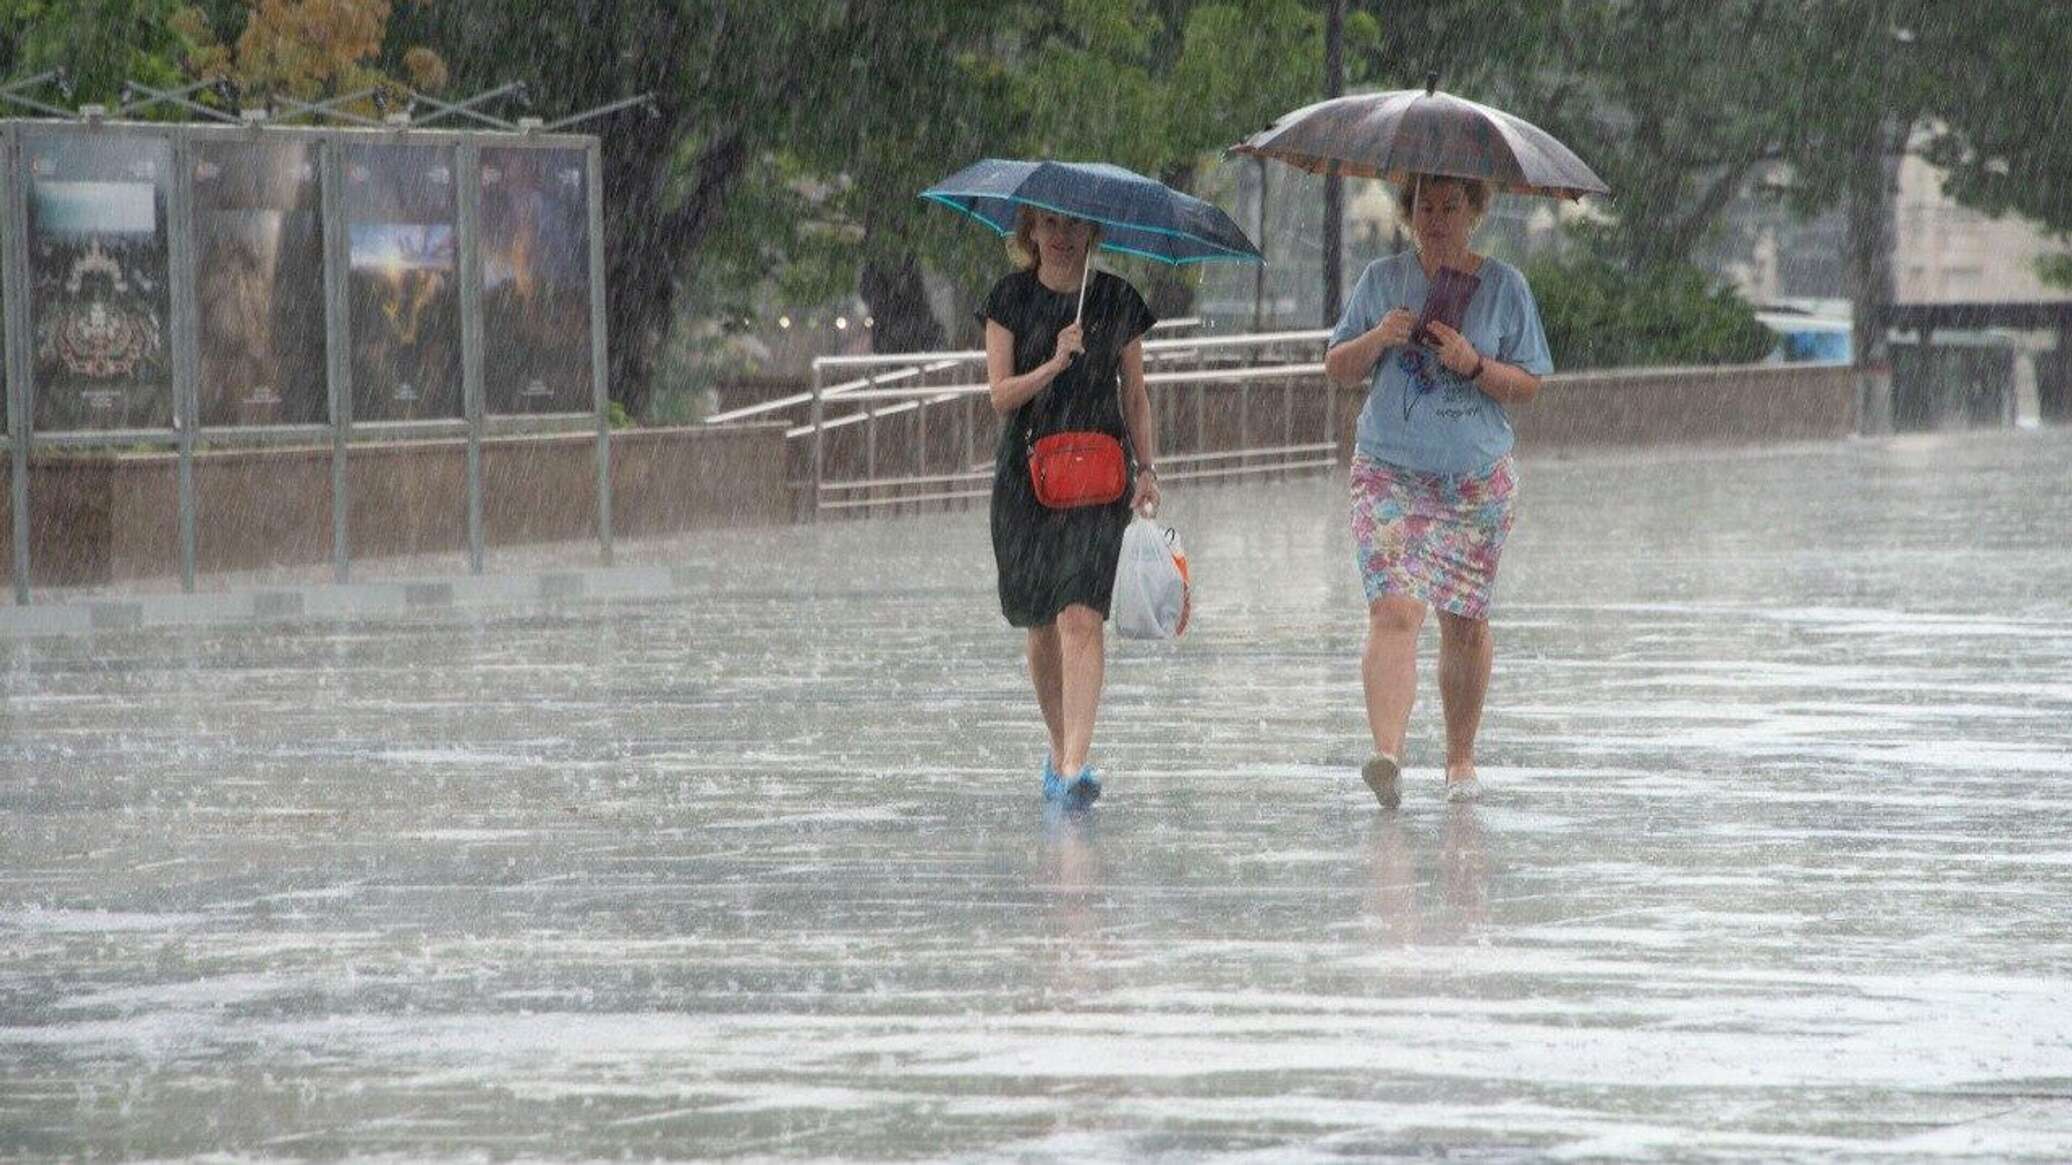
[1050,374]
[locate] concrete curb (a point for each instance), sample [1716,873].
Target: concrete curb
[291,603]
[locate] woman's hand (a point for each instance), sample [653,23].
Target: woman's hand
[1395,328]
[1455,352]
[1146,499]
[1070,343]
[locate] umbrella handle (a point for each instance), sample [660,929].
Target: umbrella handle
[1085,273]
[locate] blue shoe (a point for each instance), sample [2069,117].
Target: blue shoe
[1085,788]
[1053,784]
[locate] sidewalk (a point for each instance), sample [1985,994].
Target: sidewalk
[738,853]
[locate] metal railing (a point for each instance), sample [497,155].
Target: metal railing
[914,430]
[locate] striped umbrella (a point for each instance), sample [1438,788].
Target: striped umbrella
[1403,132]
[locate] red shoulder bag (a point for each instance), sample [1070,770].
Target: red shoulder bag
[1078,468]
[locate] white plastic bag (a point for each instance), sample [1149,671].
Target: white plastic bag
[1151,599]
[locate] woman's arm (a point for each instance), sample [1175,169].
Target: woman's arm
[1009,391]
[1505,383]
[1349,363]
[1508,383]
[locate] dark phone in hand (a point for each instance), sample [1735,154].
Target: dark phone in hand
[1446,302]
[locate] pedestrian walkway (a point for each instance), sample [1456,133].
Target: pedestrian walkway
[747,859]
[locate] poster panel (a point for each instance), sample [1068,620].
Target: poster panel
[99,300]
[259,275]
[403,300]
[535,248]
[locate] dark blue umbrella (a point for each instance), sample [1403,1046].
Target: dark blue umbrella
[1138,215]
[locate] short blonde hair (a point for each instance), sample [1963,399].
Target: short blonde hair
[1021,245]
[1477,190]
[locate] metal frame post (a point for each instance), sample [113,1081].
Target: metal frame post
[819,445]
[918,462]
[337,344]
[14,265]
[1330,411]
[186,343]
[870,444]
[467,163]
[970,434]
[1244,420]
[600,365]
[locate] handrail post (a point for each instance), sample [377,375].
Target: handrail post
[819,446]
[1331,416]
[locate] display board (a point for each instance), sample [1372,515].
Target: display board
[403,291]
[100,309]
[259,275]
[535,248]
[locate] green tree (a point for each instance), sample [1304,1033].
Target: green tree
[732,80]
[1680,107]
[101,43]
[1152,86]
[1599,315]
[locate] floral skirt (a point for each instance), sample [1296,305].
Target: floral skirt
[1431,536]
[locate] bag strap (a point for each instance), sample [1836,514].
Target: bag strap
[1129,439]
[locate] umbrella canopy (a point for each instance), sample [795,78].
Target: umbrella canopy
[1402,132]
[1138,215]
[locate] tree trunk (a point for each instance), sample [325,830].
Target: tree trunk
[901,318]
[1869,210]
[645,248]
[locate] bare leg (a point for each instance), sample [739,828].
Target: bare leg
[1466,651]
[1047,673]
[1388,669]
[1081,647]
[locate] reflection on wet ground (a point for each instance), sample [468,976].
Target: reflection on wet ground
[1772,864]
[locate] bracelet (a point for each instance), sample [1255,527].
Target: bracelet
[1477,373]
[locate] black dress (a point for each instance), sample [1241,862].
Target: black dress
[1050,559]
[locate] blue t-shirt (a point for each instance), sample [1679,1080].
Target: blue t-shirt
[1419,415]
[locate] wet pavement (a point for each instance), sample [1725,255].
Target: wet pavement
[1773,863]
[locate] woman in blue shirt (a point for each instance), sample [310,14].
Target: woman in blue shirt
[1432,478]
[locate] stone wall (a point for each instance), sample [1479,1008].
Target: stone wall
[99,518]
[1741,404]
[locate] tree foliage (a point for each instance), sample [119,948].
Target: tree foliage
[101,43]
[1599,315]
[790,137]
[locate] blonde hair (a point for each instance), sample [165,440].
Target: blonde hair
[1021,244]
[1477,191]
